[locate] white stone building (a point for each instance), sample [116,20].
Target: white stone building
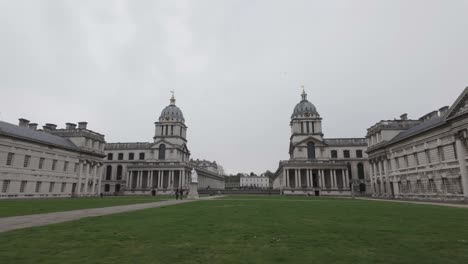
[50,162]
[320,166]
[161,166]
[255,182]
[423,158]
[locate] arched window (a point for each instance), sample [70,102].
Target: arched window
[360,171]
[162,152]
[119,172]
[311,150]
[109,173]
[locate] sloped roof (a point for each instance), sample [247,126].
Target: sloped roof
[127,145]
[38,136]
[429,124]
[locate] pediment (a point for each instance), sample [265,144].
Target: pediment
[309,139]
[460,107]
[162,141]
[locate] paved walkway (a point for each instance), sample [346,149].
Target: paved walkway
[416,202]
[18,222]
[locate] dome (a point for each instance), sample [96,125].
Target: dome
[172,113]
[304,108]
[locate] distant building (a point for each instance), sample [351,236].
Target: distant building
[320,166]
[162,165]
[423,158]
[233,182]
[254,181]
[50,162]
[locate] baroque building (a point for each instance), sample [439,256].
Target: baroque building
[317,165]
[50,162]
[160,166]
[423,158]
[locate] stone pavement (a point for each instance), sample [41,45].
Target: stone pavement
[416,202]
[18,222]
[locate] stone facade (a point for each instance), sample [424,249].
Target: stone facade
[50,162]
[320,166]
[141,168]
[424,158]
[259,182]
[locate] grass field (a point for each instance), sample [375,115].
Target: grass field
[252,230]
[39,206]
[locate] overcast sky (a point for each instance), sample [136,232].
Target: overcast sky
[236,67]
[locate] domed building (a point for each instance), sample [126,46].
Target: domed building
[160,166]
[319,166]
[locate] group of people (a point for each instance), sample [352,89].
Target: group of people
[179,193]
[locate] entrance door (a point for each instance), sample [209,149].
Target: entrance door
[317,193]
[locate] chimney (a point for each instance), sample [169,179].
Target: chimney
[46,128]
[443,110]
[33,126]
[51,126]
[82,125]
[404,117]
[23,122]
[70,126]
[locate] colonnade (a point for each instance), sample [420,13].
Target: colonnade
[92,172]
[158,179]
[316,178]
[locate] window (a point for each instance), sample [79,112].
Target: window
[64,184]
[65,166]
[408,186]
[405,158]
[359,153]
[334,154]
[41,163]
[120,156]
[432,187]
[311,150]
[23,186]
[54,164]
[142,156]
[27,159]
[308,128]
[346,154]
[6,184]
[302,127]
[416,159]
[10,159]
[76,167]
[110,156]
[38,186]
[172,130]
[428,156]
[108,173]
[51,187]
[441,154]
[162,152]
[119,172]
[360,169]
[107,188]
[131,156]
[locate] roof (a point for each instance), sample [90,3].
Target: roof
[345,141]
[127,145]
[429,124]
[37,136]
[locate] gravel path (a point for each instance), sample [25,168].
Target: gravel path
[18,222]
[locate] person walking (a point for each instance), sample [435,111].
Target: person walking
[177,194]
[181,193]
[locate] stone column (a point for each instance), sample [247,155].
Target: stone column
[333,173]
[100,177]
[371,170]
[93,188]
[299,182]
[129,174]
[396,188]
[171,179]
[286,172]
[322,176]
[319,179]
[86,170]
[80,174]
[346,181]
[462,162]
[308,178]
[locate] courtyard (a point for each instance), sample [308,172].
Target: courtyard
[251,229]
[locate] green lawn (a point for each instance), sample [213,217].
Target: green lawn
[252,230]
[39,206]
